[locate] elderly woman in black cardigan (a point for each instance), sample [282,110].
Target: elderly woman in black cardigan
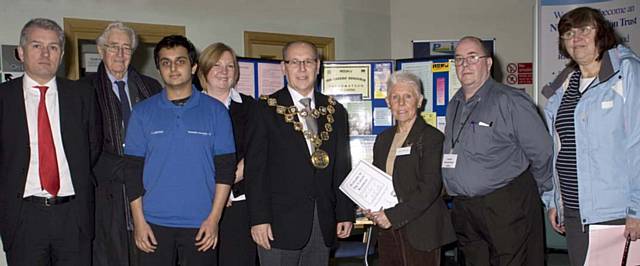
[411,232]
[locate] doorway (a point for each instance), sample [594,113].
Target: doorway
[82,52]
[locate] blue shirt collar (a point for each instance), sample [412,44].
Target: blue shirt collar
[113,79]
[193,99]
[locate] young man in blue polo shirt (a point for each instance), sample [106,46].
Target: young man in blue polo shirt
[186,142]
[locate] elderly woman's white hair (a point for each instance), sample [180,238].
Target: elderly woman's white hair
[117,25]
[407,78]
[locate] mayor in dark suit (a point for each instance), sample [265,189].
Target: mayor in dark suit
[49,139]
[118,86]
[411,232]
[298,154]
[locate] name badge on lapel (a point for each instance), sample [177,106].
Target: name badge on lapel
[403,151]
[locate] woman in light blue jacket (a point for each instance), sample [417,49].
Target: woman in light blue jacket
[592,114]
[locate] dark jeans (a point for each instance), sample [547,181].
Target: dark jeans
[395,250]
[177,246]
[504,227]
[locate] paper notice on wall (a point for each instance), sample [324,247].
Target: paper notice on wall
[423,71]
[441,123]
[454,82]
[246,83]
[382,117]
[270,78]
[381,74]
[440,90]
[91,62]
[347,79]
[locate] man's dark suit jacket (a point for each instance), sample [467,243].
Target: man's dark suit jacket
[81,137]
[282,184]
[112,240]
[417,181]
[134,97]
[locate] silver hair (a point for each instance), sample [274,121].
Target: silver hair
[404,77]
[117,25]
[42,23]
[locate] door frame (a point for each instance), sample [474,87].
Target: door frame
[76,29]
[326,44]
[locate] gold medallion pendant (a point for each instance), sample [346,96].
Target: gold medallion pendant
[320,159]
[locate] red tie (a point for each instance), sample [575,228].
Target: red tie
[49,177]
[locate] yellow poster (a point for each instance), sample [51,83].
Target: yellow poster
[339,79]
[440,67]
[430,118]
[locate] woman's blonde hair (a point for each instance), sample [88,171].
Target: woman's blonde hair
[209,57]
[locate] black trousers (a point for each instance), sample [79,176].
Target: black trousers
[176,246]
[113,244]
[235,245]
[49,236]
[504,227]
[395,250]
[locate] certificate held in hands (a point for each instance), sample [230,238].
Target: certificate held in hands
[369,187]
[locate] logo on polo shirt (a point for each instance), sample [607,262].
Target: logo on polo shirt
[199,133]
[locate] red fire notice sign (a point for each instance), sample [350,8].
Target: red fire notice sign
[520,73]
[525,78]
[525,67]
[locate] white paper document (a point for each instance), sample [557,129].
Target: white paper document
[369,187]
[606,246]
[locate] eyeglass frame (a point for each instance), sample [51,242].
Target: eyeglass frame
[475,59]
[298,63]
[573,32]
[125,50]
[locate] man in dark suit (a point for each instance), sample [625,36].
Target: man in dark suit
[49,140]
[118,87]
[297,157]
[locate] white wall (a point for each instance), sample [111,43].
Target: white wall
[225,20]
[509,21]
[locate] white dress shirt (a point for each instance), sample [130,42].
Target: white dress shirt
[296,97]
[234,95]
[31,102]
